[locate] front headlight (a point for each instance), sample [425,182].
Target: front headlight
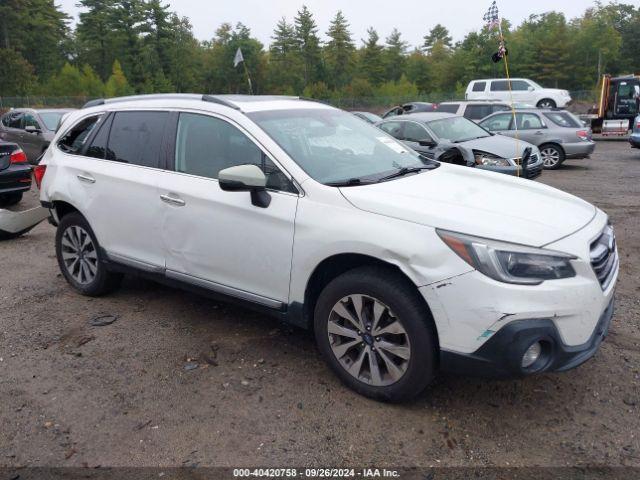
[490,160]
[509,262]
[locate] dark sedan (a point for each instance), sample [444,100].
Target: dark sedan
[15,174]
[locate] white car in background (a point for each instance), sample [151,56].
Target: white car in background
[400,265]
[523,90]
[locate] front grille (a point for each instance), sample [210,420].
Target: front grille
[533,171]
[604,256]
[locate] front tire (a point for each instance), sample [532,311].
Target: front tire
[376,334]
[552,156]
[546,103]
[80,259]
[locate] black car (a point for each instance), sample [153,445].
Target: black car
[15,174]
[412,107]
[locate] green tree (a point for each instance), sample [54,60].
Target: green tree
[17,77]
[92,86]
[67,83]
[95,41]
[372,66]
[285,62]
[306,34]
[437,35]
[339,52]
[117,85]
[394,56]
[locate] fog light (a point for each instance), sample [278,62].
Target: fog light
[531,355]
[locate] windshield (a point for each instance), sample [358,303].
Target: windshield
[51,119]
[333,146]
[457,129]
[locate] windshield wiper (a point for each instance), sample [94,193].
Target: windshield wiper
[407,170]
[468,139]
[347,183]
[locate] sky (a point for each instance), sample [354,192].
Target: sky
[414,18]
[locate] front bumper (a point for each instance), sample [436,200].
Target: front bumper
[580,149]
[531,172]
[501,355]
[15,179]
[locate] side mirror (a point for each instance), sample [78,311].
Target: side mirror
[427,143]
[32,129]
[246,178]
[530,88]
[636,91]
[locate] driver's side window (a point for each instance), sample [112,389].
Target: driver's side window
[415,133]
[393,128]
[205,145]
[497,122]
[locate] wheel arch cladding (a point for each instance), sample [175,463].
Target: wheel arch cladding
[336,265]
[63,208]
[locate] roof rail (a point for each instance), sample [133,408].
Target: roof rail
[163,96]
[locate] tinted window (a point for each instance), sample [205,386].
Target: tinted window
[519,85]
[393,128]
[205,145]
[449,107]
[564,119]
[136,138]
[497,122]
[476,112]
[415,133]
[499,86]
[30,121]
[98,146]
[73,141]
[479,86]
[14,120]
[528,121]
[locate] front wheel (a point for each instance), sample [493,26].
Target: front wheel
[546,103]
[552,156]
[80,259]
[376,333]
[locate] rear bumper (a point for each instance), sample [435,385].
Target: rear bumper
[634,140]
[579,150]
[501,355]
[15,179]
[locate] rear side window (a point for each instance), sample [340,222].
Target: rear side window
[479,86]
[499,86]
[98,148]
[449,107]
[136,138]
[476,112]
[13,120]
[501,121]
[73,141]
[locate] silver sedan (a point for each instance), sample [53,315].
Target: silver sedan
[558,134]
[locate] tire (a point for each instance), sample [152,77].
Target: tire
[88,274]
[552,156]
[386,295]
[546,103]
[10,199]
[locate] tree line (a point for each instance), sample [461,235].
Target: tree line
[120,47]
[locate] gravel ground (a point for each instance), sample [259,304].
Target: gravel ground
[181,380]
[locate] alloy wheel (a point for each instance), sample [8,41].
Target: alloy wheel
[79,254]
[550,156]
[368,340]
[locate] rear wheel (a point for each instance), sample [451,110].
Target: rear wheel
[552,156]
[80,259]
[546,103]
[375,332]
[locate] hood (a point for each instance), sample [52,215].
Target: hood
[477,202]
[500,145]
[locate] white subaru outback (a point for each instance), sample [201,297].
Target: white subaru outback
[402,266]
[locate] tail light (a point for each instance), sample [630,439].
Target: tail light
[583,134]
[638,124]
[18,156]
[38,174]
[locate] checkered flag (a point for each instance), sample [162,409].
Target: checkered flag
[492,17]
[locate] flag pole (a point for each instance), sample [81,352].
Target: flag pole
[246,71]
[513,108]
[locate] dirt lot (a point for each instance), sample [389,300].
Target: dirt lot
[130,393]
